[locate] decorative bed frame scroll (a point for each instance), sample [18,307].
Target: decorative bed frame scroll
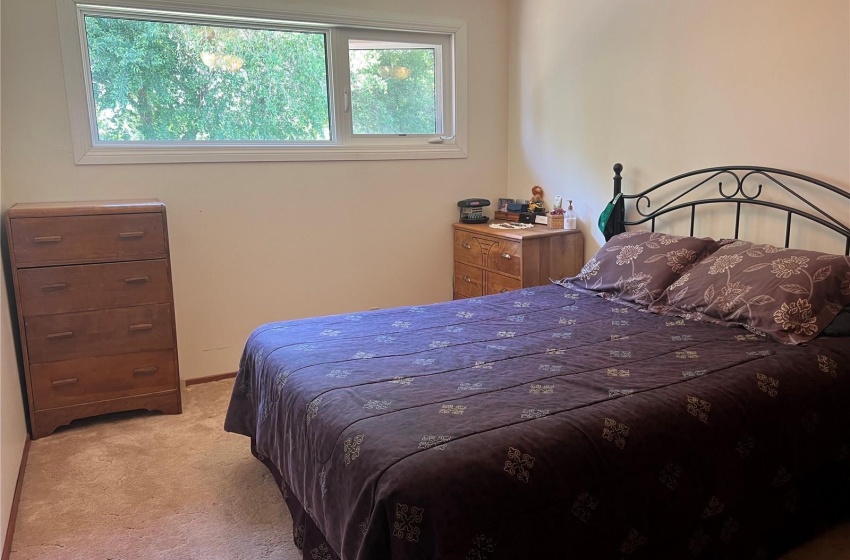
[740,173]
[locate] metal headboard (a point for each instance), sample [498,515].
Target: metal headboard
[738,174]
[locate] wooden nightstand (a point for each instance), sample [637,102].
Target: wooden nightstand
[492,261]
[93,289]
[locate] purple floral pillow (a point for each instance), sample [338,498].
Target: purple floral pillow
[638,266]
[790,295]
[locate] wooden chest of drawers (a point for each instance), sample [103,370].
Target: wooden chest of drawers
[95,309]
[491,261]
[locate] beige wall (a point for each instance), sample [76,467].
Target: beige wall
[258,242]
[666,86]
[13,428]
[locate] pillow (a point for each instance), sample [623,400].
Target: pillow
[637,266]
[788,294]
[840,326]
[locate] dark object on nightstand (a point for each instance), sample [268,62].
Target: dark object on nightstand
[518,207]
[471,210]
[96,310]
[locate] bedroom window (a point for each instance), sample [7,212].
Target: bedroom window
[394,88]
[165,85]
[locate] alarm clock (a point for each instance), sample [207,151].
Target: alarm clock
[471,210]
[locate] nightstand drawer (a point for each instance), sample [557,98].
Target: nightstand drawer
[51,338]
[499,284]
[506,257]
[101,378]
[469,281]
[468,249]
[70,239]
[65,289]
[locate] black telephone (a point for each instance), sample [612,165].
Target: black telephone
[471,210]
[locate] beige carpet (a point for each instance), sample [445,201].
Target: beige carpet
[142,487]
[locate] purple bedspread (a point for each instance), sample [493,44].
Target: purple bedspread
[541,423]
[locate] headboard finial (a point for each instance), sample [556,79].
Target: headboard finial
[618,179]
[615,223]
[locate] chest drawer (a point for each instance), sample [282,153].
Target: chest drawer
[65,289]
[469,281]
[505,256]
[69,239]
[52,338]
[83,380]
[499,284]
[468,249]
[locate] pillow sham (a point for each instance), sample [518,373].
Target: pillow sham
[637,266]
[789,295]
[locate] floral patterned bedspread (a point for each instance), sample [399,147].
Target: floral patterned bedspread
[542,423]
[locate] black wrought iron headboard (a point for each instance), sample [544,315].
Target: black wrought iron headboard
[739,197]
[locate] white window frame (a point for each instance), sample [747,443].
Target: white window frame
[444,102]
[450,35]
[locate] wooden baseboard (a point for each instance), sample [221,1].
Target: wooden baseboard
[13,514]
[210,378]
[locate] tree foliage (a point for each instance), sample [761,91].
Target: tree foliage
[151,82]
[155,81]
[392,91]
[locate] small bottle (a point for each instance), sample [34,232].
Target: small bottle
[570,217]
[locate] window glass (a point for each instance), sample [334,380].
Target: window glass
[161,81]
[393,88]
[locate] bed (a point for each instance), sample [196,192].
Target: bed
[662,420]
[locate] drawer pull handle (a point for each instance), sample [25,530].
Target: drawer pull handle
[131,234]
[48,239]
[60,335]
[137,280]
[503,290]
[145,370]
[466,246]
[141,327]
[506,256]
[467,279]
[54,287]
[68,381]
